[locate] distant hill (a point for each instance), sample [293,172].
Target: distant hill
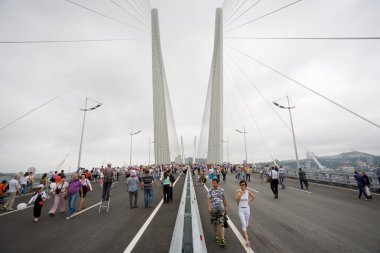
[353,159]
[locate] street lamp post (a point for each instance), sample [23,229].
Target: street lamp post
[291,122]
[84,120]
[228,153]
[245,142]
[130,151]
[150,142]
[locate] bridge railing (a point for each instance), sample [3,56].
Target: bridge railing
[334,178]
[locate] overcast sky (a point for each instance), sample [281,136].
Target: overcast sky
[118,74]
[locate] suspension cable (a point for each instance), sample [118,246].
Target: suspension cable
[266,100]
[253,5]
[305,38]
[253,20]
[64,41]
[306,87]
[138,20]
[106,16]
[250,111]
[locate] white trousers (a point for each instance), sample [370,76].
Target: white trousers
[244,217]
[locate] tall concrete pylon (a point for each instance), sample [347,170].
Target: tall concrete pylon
[215,145]
[161,137]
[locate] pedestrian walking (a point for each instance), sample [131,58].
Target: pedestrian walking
[166,186]
[172,180]
[86,187]
[60,196]
[132,184]
[360,183]
[243,198]
[366,184]
[274,181]
[217,207]
[282,174]
[147,181]
[75,187]
[302,178]
[13,189]
[38,199]
[248,172]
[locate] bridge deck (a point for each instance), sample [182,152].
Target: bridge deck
[324,219]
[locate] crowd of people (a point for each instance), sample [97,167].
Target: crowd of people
[71,193]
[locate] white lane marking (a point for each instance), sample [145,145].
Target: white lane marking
[84,210]
[236,232]
[137,237]
[298,189]
[15,210]
[342,188]
[253,190]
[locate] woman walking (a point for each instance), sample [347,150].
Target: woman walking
[86,187]
[75,186]
[60,196]
[166,185]
[243,198]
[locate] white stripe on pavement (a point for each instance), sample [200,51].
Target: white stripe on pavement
[298,189]
[137,237]
[236,232]
[15,210]
[253,190]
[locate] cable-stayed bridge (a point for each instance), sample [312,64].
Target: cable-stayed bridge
[299,221]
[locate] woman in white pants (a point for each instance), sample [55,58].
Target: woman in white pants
[243,198]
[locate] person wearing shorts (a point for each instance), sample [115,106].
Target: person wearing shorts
[217,207]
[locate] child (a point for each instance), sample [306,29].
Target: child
[38,199]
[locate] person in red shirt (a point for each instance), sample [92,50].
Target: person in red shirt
[3,185]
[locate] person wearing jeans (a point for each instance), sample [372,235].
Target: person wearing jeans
[73,194]
[147,181]
[132,183]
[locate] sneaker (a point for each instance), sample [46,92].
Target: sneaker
[68,217]
[217,238]
[36,219]
[51,214]
[223,242]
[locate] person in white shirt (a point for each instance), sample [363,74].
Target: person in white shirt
[24,180]
[13,189]
[243,198]
[274,181]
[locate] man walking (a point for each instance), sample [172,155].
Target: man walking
[147,180]
[248,172]
[361,185]
[274,181]
[302,177]
[217,207]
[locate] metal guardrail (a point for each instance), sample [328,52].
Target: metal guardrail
[342,179]
[188,233]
